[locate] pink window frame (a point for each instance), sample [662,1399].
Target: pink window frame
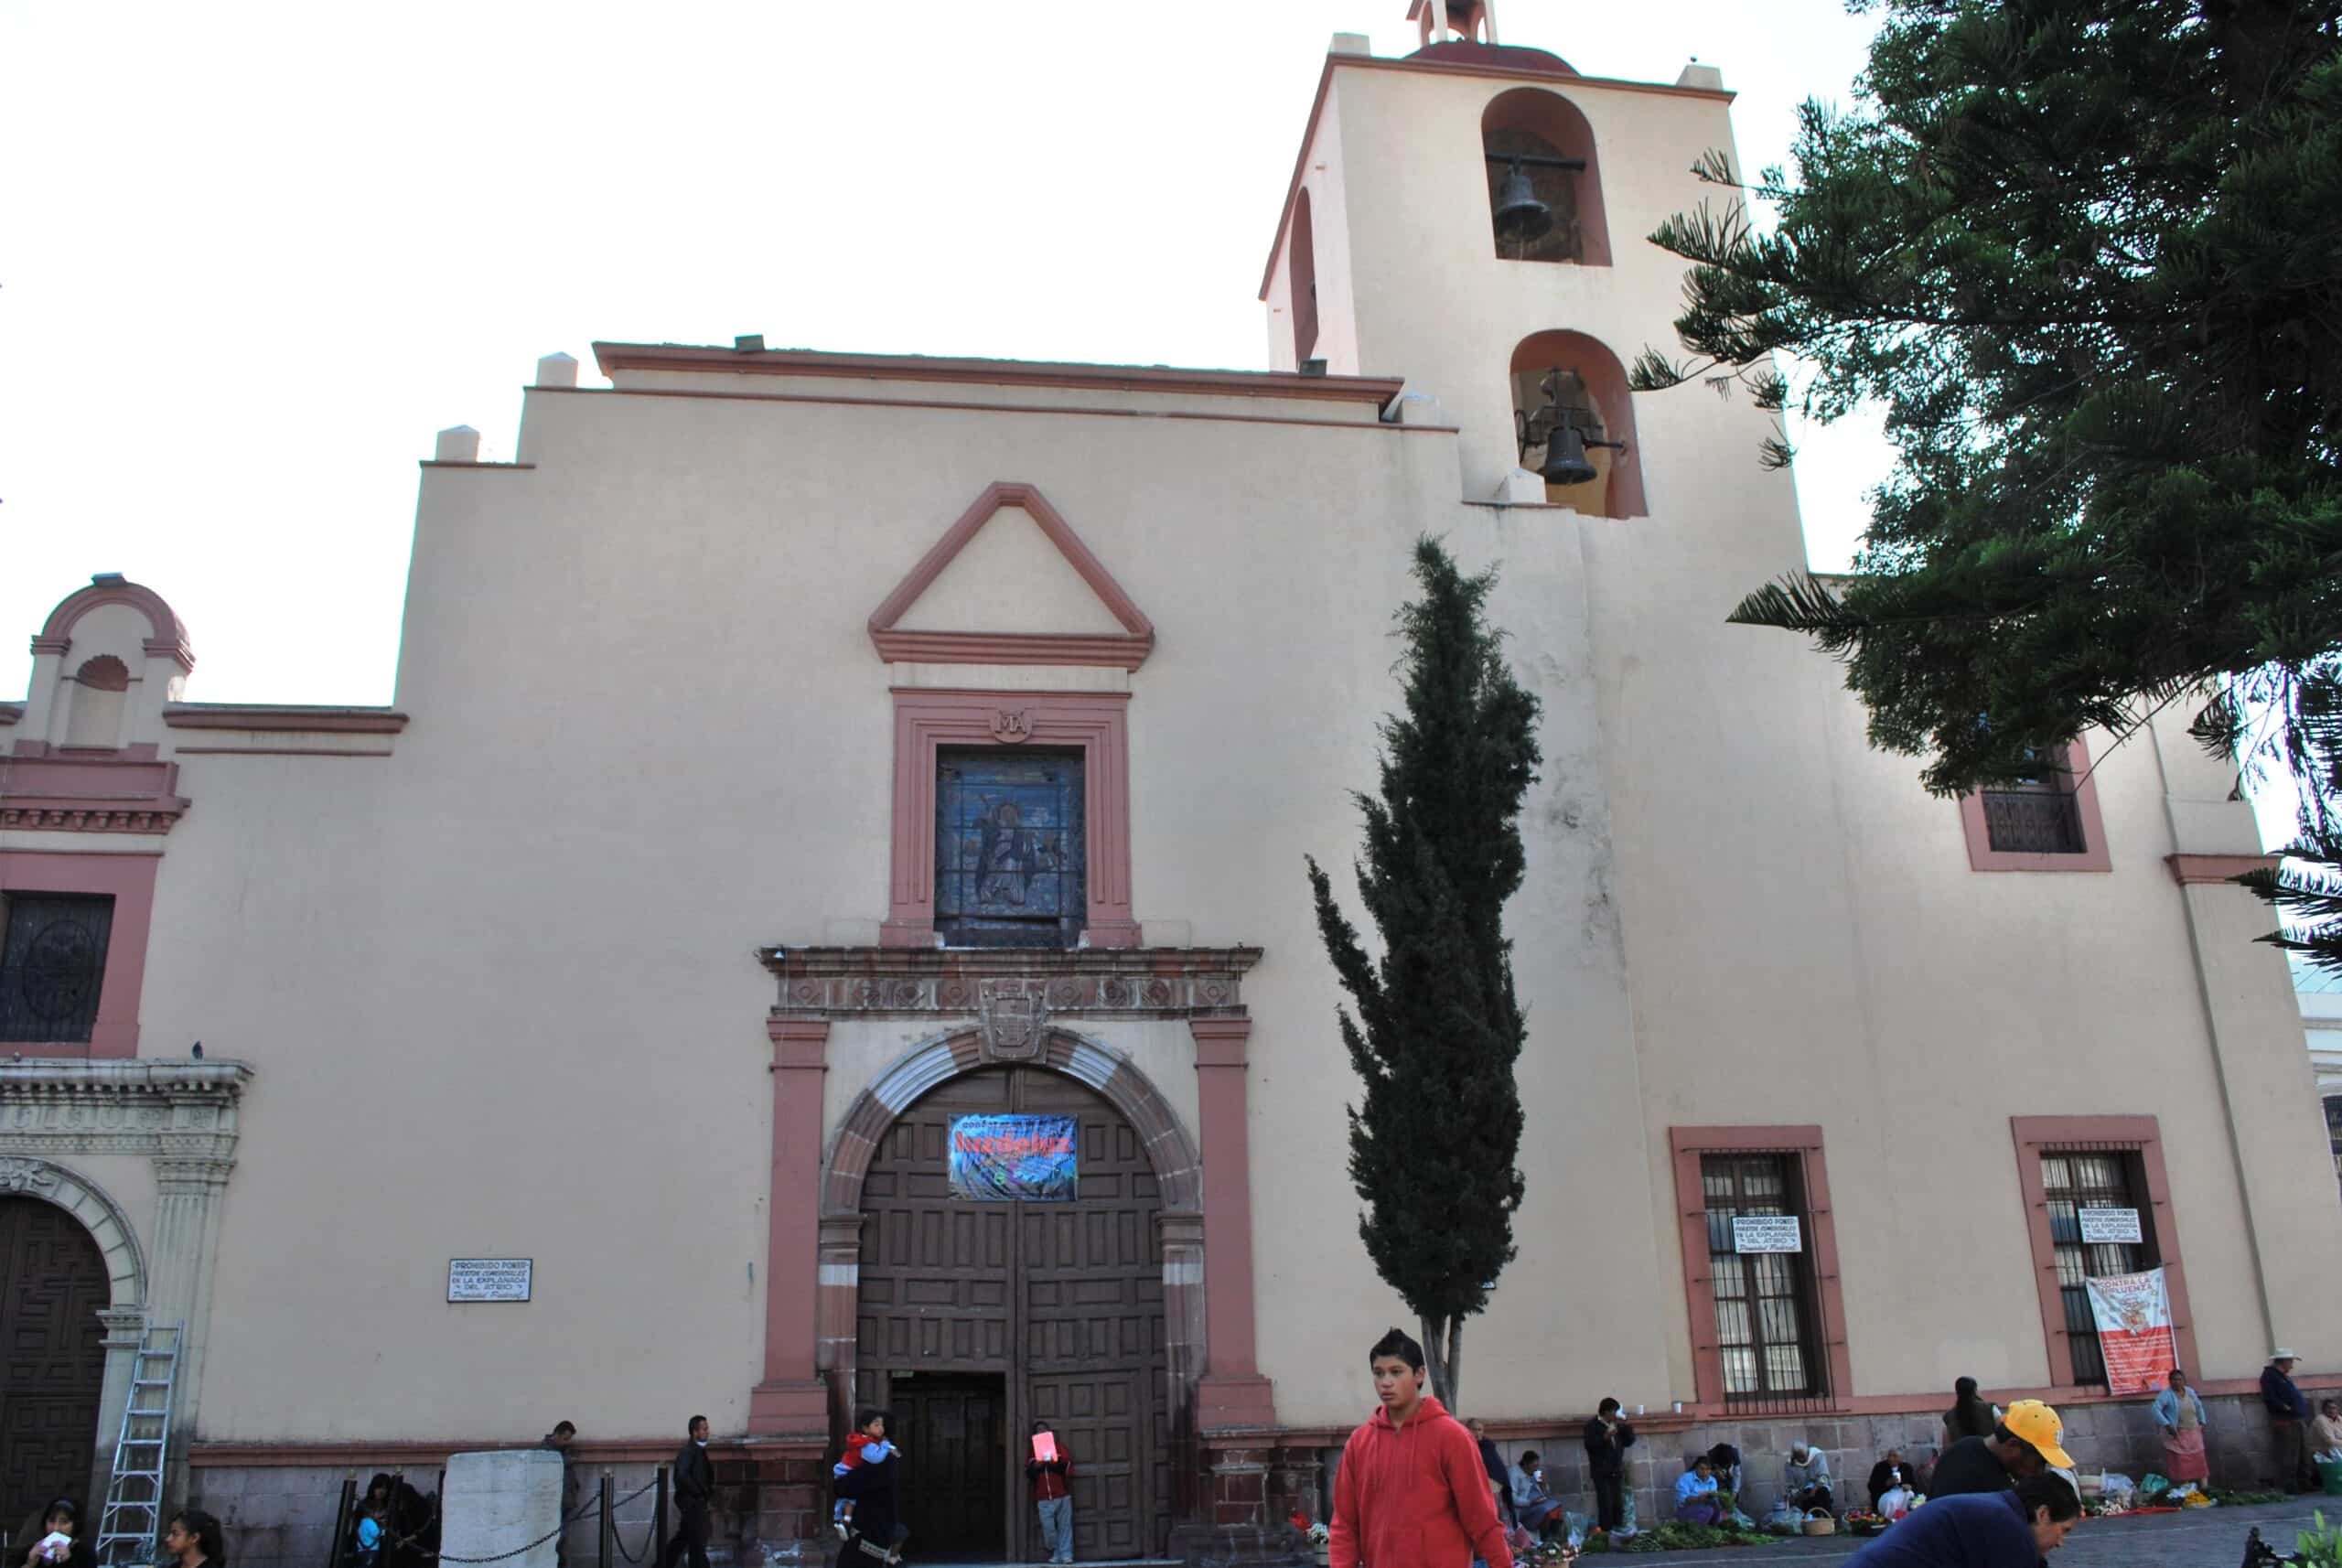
[1982,856]
[1686,1146]
[129,881]
[2140,1135]
[1096,723]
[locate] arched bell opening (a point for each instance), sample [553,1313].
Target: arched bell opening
[1574,422]
[1544,180]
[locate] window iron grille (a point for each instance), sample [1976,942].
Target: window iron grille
[1765,1305]
[2092,1177]
[52,966]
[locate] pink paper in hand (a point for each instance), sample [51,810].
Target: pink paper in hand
[1045,1448]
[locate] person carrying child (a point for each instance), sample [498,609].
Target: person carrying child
[865,1444]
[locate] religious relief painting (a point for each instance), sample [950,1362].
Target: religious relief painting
[1009,849]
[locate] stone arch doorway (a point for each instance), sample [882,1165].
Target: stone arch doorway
[969,1319]
[53,1284]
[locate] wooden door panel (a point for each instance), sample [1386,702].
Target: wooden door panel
[52,1356]
[1065,1301]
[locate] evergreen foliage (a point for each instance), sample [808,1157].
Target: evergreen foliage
[2087,254]
[1437,1027]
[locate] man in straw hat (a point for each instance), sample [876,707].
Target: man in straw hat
[2025,1443]
[2288,1422]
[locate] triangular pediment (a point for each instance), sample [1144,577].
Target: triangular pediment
[1011,583]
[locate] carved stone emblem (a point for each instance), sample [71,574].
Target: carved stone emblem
[26,1175]
[1012,1018]
[1011,725]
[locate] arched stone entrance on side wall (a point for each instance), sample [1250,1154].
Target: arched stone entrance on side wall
[124,1317]
[1170,1150]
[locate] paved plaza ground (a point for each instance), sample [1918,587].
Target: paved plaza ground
[2210,1537]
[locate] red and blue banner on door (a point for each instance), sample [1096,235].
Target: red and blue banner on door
[999,1159]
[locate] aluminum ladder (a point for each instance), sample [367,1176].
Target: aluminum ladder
[133,1520]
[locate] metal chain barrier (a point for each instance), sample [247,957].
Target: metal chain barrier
[594,1507]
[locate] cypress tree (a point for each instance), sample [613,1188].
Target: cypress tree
[2087,258]
[1437,1028]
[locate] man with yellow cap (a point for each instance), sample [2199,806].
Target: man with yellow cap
[2025,1443]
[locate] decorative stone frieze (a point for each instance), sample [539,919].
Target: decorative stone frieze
[1010,984]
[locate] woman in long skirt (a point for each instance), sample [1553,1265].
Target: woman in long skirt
[2181,1415]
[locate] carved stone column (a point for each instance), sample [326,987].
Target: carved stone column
[124,1327]
[1233,1393]
[791,1400]
[189,1189]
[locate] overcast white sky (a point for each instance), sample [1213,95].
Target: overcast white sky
[251,256]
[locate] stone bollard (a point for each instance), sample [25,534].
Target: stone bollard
[495,1502]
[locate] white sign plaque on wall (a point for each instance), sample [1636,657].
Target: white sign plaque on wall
[487,1279]
[2110,1225]
[1766,1233]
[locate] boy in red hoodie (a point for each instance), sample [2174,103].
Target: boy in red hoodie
[1412,1491]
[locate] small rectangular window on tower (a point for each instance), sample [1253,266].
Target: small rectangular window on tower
[1009,848]
[2039,816]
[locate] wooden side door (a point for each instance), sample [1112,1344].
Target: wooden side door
[52,1357]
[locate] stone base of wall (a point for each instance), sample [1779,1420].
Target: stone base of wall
[770,1505]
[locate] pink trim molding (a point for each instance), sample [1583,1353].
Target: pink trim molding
[1804,1144]
[1232,1394]
[284,717]
[792,1398]
[1982,856]
[1096,722]
[167,635]
[129,880]
[2139,1134]
[2190,869]
[105,791]
[1379,391]
[1127,652]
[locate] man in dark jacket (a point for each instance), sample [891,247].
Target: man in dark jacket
[1607,1438]
[2015,1528]
[2288,1423]
[557,1441]
[694,1492]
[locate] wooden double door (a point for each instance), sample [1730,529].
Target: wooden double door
[52,1359]
[978,1317]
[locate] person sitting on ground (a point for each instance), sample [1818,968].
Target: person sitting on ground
[60,1541]
[2025,1444]
[1695,1495]
[1890,1472]
[865,1444]
[2013,1528]
[2329,1428]
[1971,1415]
[1805,1479]
[1534,1508]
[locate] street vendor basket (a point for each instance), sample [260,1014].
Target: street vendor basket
[1820,1523]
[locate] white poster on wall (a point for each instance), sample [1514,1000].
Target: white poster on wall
[487,1279]
[1766,1233]
[2110,1226]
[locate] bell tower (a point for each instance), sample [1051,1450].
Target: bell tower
[1473,216]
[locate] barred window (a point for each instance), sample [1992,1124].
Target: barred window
[2041,816]
[2078,1179]
[1009,855]
[52,964]
[1764,1301]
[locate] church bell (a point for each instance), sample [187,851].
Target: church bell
[1565,459]
[1520,215]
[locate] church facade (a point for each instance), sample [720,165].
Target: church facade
[760,817]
